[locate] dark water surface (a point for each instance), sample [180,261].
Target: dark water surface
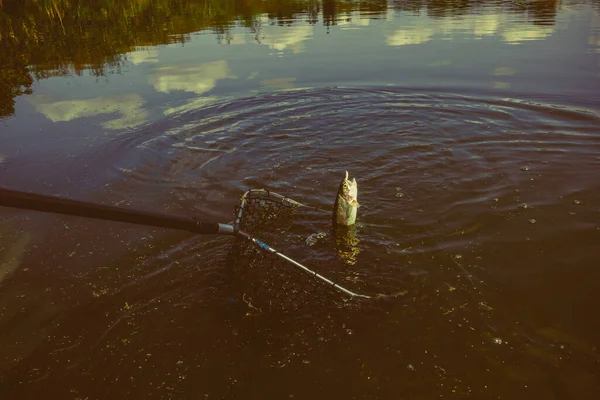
[473,129]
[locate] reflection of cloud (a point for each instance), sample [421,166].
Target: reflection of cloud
[128,108]
[194,78]
[279,84]
[478,26]
[518,34]
[353,21]
[236,38]
[193,104]
[503,71]
[484,25]
[281,38]
[143,55]
[415,35]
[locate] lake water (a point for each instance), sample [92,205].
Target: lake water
[472,128]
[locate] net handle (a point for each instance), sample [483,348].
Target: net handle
[58,205]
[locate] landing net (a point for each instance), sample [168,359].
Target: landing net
[267,278]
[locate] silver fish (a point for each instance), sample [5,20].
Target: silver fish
[346,203]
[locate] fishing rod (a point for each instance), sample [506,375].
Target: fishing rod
[59,205]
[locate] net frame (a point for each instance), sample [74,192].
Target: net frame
[267,277]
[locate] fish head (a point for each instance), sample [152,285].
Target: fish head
[349,191]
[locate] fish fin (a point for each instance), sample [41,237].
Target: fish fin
[346,175]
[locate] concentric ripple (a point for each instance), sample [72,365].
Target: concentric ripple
[419,157]
[471,206]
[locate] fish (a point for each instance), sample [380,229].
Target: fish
[346,203]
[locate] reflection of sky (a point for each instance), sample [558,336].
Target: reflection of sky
[127,109]
[279,84]
[191,105]
[594,39]
[476,26]
[524,33]
[459,51]
[143,55]
[236,39]
[594,36]
[410,35]
[503,71]
[353,21]
[189,78]
[285,38]
[277,38]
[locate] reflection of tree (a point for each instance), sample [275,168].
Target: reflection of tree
[334,10]
[448,8]
[538,11]
[15,80]
[42,38]
[407,5]
[329,13]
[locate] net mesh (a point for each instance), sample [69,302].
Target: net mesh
[265,211]
[264,280]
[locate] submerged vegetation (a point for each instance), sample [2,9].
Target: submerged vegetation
[44,38]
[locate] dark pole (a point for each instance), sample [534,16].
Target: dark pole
[57,205]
